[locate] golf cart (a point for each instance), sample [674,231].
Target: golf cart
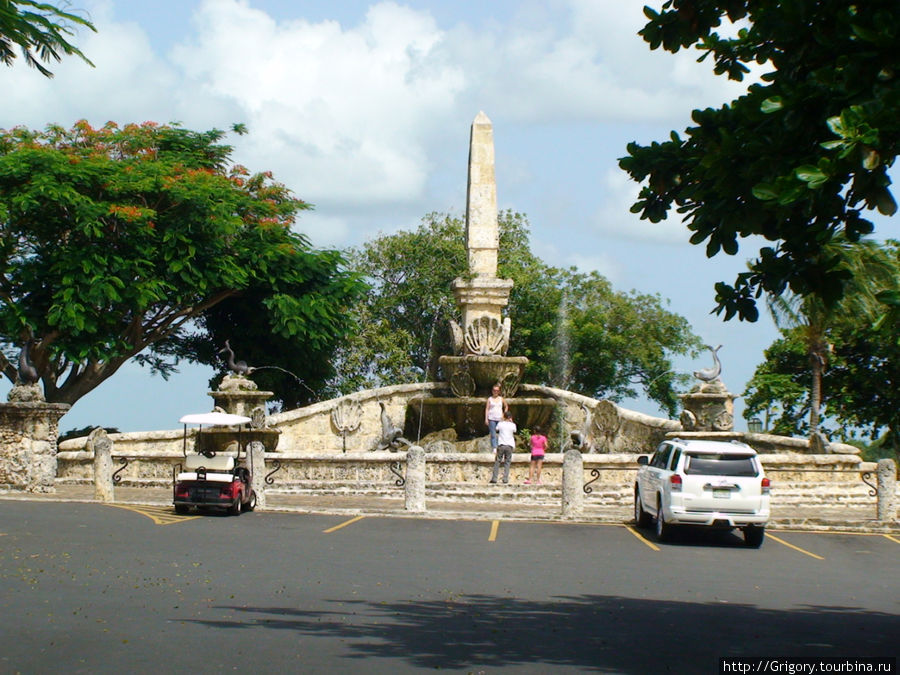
[212,476]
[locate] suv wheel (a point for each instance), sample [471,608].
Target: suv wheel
[641,517]
[663,529]
[754,535]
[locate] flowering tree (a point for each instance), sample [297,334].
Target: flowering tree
[121,242]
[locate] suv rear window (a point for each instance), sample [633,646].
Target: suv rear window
[720,465]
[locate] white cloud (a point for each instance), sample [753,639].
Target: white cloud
[341,112]
[584,64]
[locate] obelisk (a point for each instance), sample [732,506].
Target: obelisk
[482,297]
[482,229]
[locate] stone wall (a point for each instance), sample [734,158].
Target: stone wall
[312,430]
[608,427]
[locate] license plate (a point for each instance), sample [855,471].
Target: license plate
[203,494]
[721,493]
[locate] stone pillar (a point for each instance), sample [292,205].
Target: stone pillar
[572,484]
[28,433]
[887,490]
[708,407]
[238,395]
[100,444]
[415,479]
[257,452]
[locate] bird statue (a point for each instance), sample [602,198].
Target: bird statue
[581,438]
[391,436]
[710,374]
[239,367]
[28,374]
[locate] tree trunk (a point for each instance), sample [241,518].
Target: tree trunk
[815,394]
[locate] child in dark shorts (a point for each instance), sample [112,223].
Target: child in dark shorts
[538,448]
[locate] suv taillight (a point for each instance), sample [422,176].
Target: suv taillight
[766,486]
[675,482]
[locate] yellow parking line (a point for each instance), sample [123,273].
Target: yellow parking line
[641,537]
[893,539]
[495,525]
[160,515]
[796,548]
[344,524]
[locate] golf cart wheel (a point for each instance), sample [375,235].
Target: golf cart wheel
[251,504]
[235,508]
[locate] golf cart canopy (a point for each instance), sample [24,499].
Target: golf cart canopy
[215,419]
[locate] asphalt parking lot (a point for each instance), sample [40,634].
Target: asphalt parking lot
[95,588]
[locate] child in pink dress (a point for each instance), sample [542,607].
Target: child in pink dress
[538,448]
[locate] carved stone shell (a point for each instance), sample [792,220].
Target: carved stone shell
[258,417]
[347,416]
[485,336]
[462,384]
[724,421]
[688,420]
[606,419]
[509,383]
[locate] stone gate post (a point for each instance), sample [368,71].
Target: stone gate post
[29,428]
[887,490]
[100,444]
[258,480]
[415,479]
[573,484]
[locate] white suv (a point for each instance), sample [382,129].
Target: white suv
[709,483]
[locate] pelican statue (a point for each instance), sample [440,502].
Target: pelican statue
[710,374]
[581,439]
[391,436]
[28,374]
[239,367]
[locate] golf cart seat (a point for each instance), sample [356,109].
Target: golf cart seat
[199,467]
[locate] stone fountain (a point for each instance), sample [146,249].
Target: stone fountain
[482,340]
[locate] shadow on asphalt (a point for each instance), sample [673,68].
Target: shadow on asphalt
[608,633]
[698,536]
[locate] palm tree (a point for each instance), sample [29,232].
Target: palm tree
[40,27]
[871,271]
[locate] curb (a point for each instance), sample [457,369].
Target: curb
[797,524]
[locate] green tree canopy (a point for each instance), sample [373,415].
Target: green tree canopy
[802,157]
[39,30]
[858,368]
[577,331]
[871,270]
[147,241]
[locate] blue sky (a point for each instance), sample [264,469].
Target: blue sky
[363,109]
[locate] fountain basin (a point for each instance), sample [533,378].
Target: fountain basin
[466,415]
[473,375]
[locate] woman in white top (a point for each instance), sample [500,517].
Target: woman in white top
[494,410]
